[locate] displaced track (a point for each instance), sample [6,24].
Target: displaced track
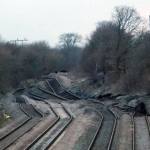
[45,131]
[59,90]
[49,136]
[54,130]
[62,129]
[39,97]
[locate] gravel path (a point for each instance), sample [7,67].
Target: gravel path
[142,138]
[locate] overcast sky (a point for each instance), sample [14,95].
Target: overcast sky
[47,19]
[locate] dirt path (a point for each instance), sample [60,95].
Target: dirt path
[142,138]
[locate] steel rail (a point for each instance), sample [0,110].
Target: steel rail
[55,95]
[60,85]
[50,127]
[18,90]
[46,130]
[97,131]
[37,95]
[50,87]
[133,131]
[113,130]
[67,90]
[21,126]
[147,123]
[62,130]
[100,126]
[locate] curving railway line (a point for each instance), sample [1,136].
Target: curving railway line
[105,136]
[51,134]
[54,130]
[51,125]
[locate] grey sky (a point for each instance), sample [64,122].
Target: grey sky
[47,19]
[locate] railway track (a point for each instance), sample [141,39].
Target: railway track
[59,90]
[54,90]
[39,92]
[41,98]
[104,136]
[55,85]
[18,131]
[29,146]
[63,129]
[15,125]
[59,124]
[51,134]
[148,123]
[53,95]
[48,85]
[97,132]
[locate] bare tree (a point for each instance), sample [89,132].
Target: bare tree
[68,40]
[99,53]
[127,20]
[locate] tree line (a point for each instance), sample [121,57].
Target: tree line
[18,63]
[118,51]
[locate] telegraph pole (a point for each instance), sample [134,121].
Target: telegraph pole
[18,40]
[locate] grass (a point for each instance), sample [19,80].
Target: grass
[3,120]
